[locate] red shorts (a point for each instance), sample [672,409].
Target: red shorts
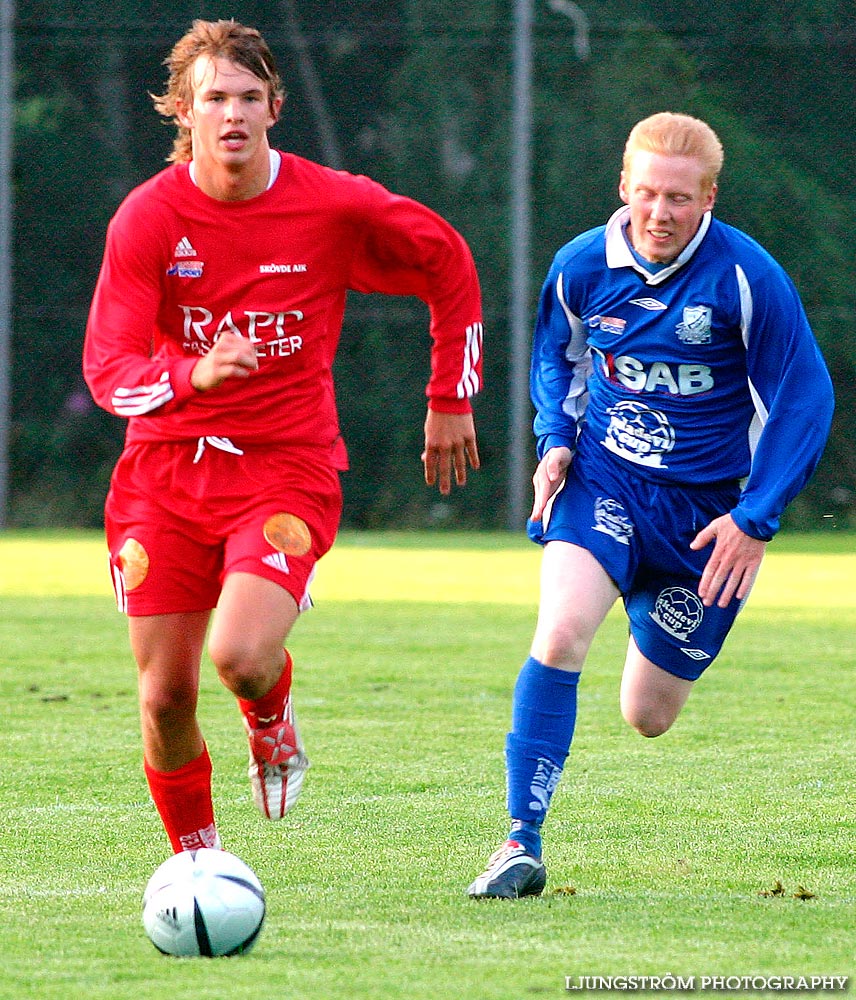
[180,516]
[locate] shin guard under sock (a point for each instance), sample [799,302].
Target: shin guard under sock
[183,800]
[267,710]
[544,711]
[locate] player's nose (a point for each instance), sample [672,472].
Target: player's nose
[232,111]
[660,208]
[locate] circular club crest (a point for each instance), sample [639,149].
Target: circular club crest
[638,433]
[678,611]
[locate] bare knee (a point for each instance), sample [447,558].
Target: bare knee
[651,708]
[560,644]
[651,698]
[248,669]
[168,708]
[560,656]
[648,721]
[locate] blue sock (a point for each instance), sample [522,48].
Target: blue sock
[528,835]
[544,714]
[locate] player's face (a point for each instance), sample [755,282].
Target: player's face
[229,116]
[667,196]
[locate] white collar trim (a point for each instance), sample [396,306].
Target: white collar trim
[275,161]
[619,254]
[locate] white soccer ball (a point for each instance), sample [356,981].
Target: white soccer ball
[204,902]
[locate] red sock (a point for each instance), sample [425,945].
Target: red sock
[267,710]
[183,799]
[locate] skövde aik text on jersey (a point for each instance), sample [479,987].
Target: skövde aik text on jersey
[704,371]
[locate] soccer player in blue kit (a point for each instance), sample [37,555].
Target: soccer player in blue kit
[681,403]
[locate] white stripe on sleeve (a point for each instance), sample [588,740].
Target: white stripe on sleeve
[139,399]
[469,383]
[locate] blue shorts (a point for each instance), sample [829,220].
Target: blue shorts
[640,533]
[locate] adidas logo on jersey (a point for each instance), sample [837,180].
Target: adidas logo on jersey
[184,248]
[276,560]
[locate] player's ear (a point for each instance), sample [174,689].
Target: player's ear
[711,197]
[622,188]
[183,113]
[276,107]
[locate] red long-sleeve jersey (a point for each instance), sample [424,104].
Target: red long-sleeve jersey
[180,267]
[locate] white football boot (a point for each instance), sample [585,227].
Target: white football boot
[511,873]
[278,764]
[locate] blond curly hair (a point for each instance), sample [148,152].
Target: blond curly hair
[217,39]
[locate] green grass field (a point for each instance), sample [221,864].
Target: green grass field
[685,855]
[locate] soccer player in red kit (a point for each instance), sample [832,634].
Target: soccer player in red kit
[213,329]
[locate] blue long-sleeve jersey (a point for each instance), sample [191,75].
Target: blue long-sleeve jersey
[703,372]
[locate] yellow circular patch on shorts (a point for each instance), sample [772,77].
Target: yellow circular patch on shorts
[288,534]
[134,563]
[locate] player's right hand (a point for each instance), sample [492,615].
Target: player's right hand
[231,356]
[548,477]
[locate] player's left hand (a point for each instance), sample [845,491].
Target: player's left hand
[450,441]
[731,569]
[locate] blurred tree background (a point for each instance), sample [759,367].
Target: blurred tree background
[417,94]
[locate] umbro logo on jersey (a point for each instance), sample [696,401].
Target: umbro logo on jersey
[184,248]
[652,305]
[276,560]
